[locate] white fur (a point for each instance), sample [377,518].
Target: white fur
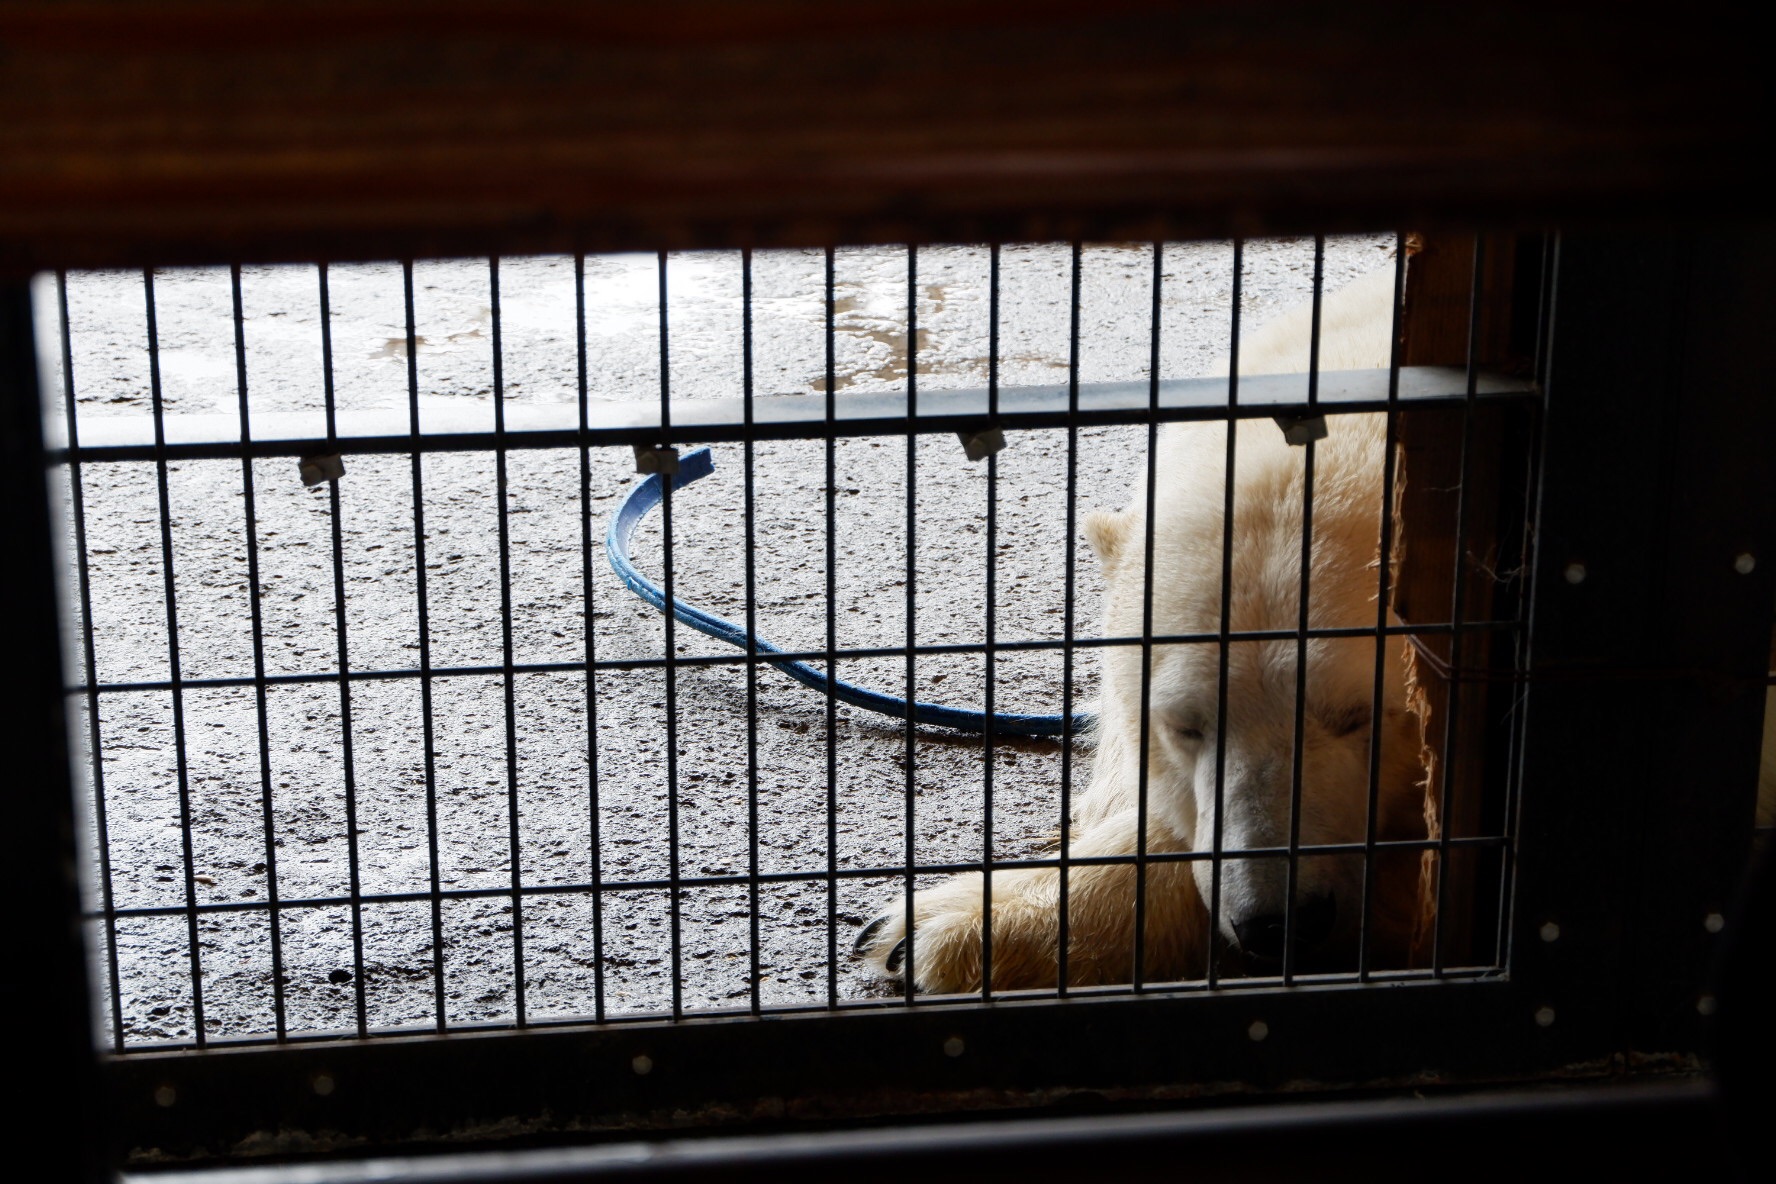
[1253,746]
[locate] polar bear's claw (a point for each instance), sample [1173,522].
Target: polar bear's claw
[867,933]
[895,956]
[947,927]
[882,943]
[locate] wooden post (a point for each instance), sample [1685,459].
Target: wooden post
[1471,531]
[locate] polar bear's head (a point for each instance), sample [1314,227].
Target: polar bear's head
[1235,777]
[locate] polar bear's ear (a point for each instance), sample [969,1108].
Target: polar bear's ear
[1107,532]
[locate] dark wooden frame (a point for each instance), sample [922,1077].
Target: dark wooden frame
[203,132]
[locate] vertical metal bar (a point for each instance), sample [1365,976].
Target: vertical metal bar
[94,732]
[1458,597]
[989,657]
[1292,877]
[1069,571]
[832,640]
[587,607]
[1141,786]
[261,714]
[502,504]
[425,642]
[1515,723]
[1521,641]
[912,571]
[345,711]
[752,735]
[671,660]
[1217,831]
[1384,595]
[193,957]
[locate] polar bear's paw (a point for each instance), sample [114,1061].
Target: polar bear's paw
[945,953]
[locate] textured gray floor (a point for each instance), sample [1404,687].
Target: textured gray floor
[143,854]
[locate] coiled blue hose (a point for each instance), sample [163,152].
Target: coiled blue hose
[698,464]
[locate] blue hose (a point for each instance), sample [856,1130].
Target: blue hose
[695,465]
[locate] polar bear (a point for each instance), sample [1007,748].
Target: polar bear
[1251,749]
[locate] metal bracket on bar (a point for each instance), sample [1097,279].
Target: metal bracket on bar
[317,470]
[656,458]
[1303,429]
[982,444]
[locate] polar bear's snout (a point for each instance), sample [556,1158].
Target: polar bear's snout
[1263,936]
[1253,890]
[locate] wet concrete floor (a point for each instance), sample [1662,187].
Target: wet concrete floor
[577,802]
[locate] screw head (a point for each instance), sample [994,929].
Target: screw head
[1550,931]
[1258,1031]
[1575,573]
[322,1083]
[165,1095]
[1705,1005]
[1745,563]
[954,1047]
[642,1064]
[1544,1017]
[1714,922]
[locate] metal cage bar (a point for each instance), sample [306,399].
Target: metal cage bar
[1138,969]
[1063,921]
[794,417]
[1224,654]
[675,897]
[1027,645]
[750,527]
[910,834]
[423,609]
[829,453]
[1458,596]
[1303,595]
[593,819]
[990,623]
[250,518]
[353,865]
[194,957]
[89,661]
[1383,600]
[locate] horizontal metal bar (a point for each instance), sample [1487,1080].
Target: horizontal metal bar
[742,659]
[470,427]
[1245,986]
[740,880]
[1196,989]
[1578,1131]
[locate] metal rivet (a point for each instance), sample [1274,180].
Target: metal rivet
[165,1095]
[1705,1005]
[1575,573]
[1714,922]
[982,444]
[1259,1030]
[1544,1017]
[1550,931]
[318,470]
[642,1064]
[650,458]
[953,1047]
[322,1083]
[1745,563]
